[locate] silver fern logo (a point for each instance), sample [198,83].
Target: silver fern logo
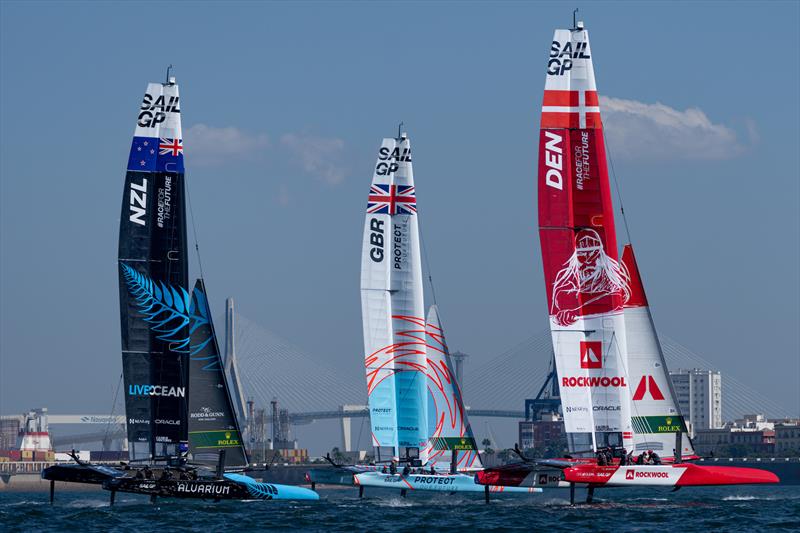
[172,313]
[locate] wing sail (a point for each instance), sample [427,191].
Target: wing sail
[392,306]
[212,419]
[656,415]
[448,425]
[585,282]
[153,278]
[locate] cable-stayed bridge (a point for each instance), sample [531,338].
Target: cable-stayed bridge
[312,390]
[271,367]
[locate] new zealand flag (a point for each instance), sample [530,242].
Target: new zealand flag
[144,154]
[153,154]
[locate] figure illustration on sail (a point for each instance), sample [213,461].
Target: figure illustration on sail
[602,332]
[587,277]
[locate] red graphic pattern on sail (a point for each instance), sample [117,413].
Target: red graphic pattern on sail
[422,338]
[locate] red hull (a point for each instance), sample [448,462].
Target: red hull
[670,475]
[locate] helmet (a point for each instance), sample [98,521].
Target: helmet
[587,240]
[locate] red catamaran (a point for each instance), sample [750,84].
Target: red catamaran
[614,386]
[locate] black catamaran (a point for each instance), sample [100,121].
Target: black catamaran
[184,439]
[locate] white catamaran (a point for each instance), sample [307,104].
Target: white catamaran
[417,414]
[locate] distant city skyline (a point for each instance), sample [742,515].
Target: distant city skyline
[284,109]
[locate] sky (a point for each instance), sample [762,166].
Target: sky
[284,106]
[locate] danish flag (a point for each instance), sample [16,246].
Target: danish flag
[647,384]
[570,109]
[591,354]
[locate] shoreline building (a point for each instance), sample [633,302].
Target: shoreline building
[699,395]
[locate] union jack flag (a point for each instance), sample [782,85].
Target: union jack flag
[172,147]
[392,200]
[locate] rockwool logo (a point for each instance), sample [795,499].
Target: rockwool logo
[647,384]
[591,354]
[631,474]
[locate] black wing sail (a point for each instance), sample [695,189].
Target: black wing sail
[153,279]
[212,420]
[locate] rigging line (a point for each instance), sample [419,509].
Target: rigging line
[616,184]
[194,227]
[113,408]
[426,260]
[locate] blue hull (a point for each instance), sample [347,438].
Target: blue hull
[272,491]
[436,483]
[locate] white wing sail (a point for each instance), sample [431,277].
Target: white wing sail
[448,425]
[392,306]
[656,416]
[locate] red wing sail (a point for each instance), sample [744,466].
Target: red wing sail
[586,284]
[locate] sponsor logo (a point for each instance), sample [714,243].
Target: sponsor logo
[577,409]
[392,479]
[591,354]
[434,480]
[545,479]
[376,240]
[165,422]
[639,474]
[138,202]
[606,408]
[561,56]
[647,385]
[659,424]
[156,390]
[153,111]
[203,488]
[98,419]
[553,160]
[231,439]
[133,421]
[669,427]
[381,410]
[594,382]
[588,276]
[399,231]
[206,413]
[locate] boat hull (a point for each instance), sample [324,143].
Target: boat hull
[670,475]
[433,482]
[75,473]
[231,487]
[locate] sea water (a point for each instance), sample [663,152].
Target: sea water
[720,509]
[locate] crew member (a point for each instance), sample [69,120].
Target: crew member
[393,467]
[654,458]
[406,470]
[433,471]
[623,460]
[601,458]
[384,470]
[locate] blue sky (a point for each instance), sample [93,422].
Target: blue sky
[284,106]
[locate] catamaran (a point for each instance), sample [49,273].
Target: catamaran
[184,438]
[603,335]
[417,413]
